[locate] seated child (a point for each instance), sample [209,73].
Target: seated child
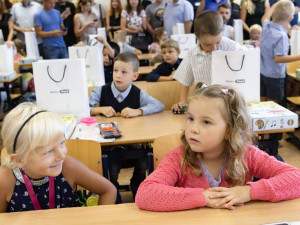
[215,165]
[255,34]
[120,38]
[160,34]
[165,71]
[123,98]
[38,166]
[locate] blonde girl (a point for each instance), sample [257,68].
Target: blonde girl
[160,34]
[38,173]
[215,165]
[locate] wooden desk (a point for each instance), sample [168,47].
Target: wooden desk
[144,70]
[293,75]
[147,56]
[144,129]
[253,213]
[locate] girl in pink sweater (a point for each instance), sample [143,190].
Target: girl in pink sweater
[216,163]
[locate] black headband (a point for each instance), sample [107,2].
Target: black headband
[26,121]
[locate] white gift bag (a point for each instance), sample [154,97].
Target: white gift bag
[101,32]
[178,28]
[239,70]
[295,42]
[185,41]
[32,50]
[238,31]
[93,62]
[6,59]
[61,86]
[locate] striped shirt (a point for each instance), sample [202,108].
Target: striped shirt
[196,66]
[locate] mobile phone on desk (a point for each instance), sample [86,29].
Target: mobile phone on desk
[109,130]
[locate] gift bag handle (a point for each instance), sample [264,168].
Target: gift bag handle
[56,81]
[78,55]
[232,68]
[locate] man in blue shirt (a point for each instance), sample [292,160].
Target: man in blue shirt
[179,11]
[49,26]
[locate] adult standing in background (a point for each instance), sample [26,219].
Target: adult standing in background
[100,12]
[49,26]
[113,18]
[67,10]
[210,5]
[6,23]
[155,16]
[23,17]
[235,12]
[85,21]
[251,13]
[178,11]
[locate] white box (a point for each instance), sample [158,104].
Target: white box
[271,116]
[6,76]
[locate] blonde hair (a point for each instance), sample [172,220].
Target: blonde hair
[283,11]
[170,43]
[41,130]
[255,27]
[238,132]
[121,35]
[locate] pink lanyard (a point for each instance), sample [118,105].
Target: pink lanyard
[32,195]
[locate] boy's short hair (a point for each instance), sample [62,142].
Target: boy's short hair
[283,11]
[255,27]
[129,57]
[208,23]
[121,35]
[115,47]
[170,43]
[224,5]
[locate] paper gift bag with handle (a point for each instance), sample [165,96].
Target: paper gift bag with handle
[6,59]
[93,58]
[238,31]
[178,28]
[32,50]
[61,86]
[239,70]
[102,32]
[185,41]
[295,42]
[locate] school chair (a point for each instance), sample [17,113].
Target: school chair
[162,145]
[88,152]
[3,155]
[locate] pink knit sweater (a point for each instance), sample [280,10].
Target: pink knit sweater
[167,189]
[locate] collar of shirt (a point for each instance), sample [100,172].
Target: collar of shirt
[199,51]
[30,4]
[177,3]
[175,64]
[117,93]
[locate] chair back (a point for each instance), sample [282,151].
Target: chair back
[162,145]
[86,151]
[3,155]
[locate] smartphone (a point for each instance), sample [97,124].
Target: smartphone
[95,20]
[181,111]
[66,28]
[109,130]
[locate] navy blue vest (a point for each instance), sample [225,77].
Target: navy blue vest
[132,100]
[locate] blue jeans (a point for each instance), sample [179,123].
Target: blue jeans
[51,52]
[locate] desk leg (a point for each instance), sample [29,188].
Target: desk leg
[105,166]
[9,101]
[21,84]
[269,143]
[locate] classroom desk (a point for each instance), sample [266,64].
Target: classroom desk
[252,213]
[145,129]
[293,75]
[144,70]
[147,56]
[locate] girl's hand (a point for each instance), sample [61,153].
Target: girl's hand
[229,197]
[129,112]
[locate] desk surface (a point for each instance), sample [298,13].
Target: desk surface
[144,70]
[11,80]
[253,213]
[144,129]
[147,56]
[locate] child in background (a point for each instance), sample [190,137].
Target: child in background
[160,34]
[216,163]
[255,34]
[123,98]
[274,47]
[120,38]
[196,66]
[165,71]
[38,166]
